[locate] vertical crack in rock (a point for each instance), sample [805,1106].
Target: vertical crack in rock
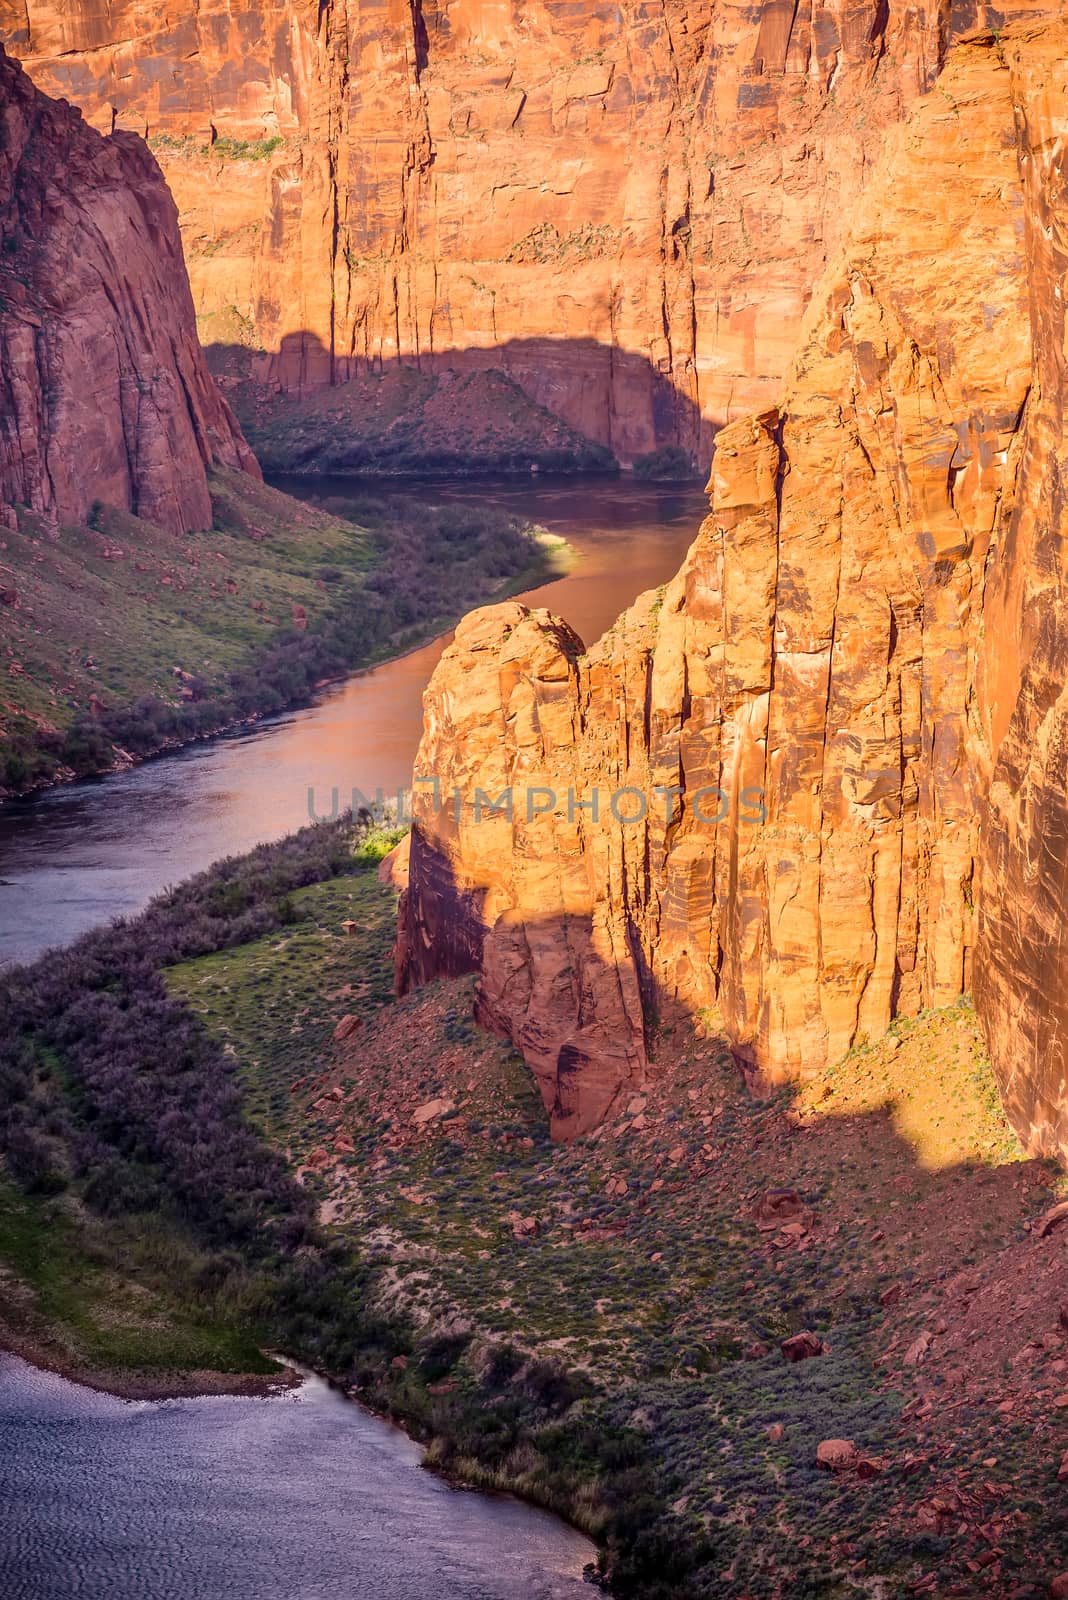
[516,189]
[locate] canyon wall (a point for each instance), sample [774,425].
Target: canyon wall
[624,207]
[104,391]
[842,727]
[1021,963]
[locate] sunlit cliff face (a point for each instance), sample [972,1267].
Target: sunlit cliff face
[625,210]
[631,216]
[867,631]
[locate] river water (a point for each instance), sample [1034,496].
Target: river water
[80,855]
[300,1497]
[304,1496]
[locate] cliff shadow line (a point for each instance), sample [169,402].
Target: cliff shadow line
[567,405]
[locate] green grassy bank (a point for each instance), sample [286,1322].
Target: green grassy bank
[220,1108]
[122,640]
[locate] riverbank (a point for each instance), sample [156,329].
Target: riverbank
[596,1327]
[38,1352]
[74,857]
[293,1495]
[185,1196]
[180,643]
[76,1300]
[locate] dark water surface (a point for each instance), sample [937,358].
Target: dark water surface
[303,1497]
[82,854]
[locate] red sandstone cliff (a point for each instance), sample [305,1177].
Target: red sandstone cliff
[1021,963]
[866,640]
[628,210]
[104,392]
[624,207]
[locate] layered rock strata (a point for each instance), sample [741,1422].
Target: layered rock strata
[624,207]
[841,726]
[104,392]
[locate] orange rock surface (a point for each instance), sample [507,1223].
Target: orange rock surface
[647,218]
[1021,699]
[623,207]
[842,724]
[105,392]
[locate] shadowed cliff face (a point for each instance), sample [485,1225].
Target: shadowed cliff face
[453,414]
[824,646]
[104,392]
[402,182]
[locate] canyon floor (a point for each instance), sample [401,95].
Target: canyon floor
[811,1344]
[885,1208]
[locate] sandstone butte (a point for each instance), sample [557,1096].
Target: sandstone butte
[870,628]
[624,207]
[104,391]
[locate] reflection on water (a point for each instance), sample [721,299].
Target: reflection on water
[80,855]
[302,1497]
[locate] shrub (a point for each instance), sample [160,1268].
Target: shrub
[244,149]
[669,464]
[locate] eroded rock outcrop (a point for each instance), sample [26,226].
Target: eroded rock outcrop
[814,716]
[623,207]
[104,392]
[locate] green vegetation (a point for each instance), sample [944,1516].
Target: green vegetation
[596,1326]
[669,464]
[244,149]
[105,1298]
[275,1002]
[222,148]
[177,144]
[176,1237]
[177,638]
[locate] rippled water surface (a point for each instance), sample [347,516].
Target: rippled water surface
[80,855]
[302,1497]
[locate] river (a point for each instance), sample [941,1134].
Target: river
[299,1497]
[303,1496]
[81,854]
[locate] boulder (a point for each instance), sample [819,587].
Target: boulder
[837,1455]
[431,1111]
[802,1346]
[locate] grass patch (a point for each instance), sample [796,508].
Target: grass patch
[100,1299]
[275,1002]
[596,1326]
